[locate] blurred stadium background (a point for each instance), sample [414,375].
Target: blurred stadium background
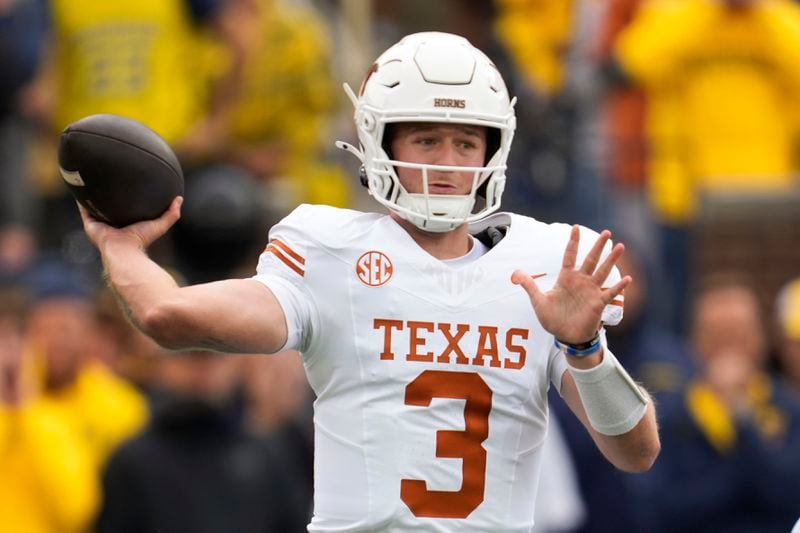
[675,123]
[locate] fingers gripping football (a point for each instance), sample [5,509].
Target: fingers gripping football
[142,233]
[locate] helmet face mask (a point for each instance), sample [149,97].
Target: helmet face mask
[442,79]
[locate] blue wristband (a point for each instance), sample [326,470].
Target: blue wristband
[580,350]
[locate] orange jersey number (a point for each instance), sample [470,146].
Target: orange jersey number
[466,445]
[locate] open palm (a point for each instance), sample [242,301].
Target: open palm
[572,310]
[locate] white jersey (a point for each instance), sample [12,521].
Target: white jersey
[431,380]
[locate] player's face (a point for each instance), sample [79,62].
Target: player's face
[438,144]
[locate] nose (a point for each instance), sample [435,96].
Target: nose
[447,155]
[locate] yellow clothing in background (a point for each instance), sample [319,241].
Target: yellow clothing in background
[105,408]
[288,97]
[131,58]
[722,87]
[48,479]
[537,34]
[717,423]
[789,309]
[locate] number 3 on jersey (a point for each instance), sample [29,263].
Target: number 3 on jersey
[466,445]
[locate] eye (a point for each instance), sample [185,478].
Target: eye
[425,140]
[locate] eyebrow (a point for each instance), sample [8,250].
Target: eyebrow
[472,131]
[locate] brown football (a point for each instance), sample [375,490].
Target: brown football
[120,170]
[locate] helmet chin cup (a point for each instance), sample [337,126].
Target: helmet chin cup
[439,78]
[436,213]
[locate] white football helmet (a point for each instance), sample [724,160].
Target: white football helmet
[433,77]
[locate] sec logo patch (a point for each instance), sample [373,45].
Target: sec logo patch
[374,268]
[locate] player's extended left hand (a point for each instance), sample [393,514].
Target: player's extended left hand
[572,310]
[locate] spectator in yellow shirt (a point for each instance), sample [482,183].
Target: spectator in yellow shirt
[140,59]
[49,481]
[284,108]
[103,408]
[537,33]
[722,78]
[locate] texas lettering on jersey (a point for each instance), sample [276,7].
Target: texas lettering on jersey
[485,352]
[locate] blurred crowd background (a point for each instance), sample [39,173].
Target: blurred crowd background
[675,123]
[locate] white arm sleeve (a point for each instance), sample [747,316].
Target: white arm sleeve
[614,404]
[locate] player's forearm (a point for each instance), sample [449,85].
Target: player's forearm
[139,283]
[619,414]
[636,450]
[232,316]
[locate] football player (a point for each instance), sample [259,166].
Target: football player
[430,335]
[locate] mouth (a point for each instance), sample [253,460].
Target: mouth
[441,188]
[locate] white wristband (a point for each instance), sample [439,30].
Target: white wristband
[613,402]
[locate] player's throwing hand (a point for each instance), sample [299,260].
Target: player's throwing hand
[143,233]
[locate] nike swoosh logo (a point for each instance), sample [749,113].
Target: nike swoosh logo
[537,276]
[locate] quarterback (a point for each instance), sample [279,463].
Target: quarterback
[430,334]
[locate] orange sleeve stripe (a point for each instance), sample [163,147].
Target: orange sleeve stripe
[294,255]
[288,262]
[620,303]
